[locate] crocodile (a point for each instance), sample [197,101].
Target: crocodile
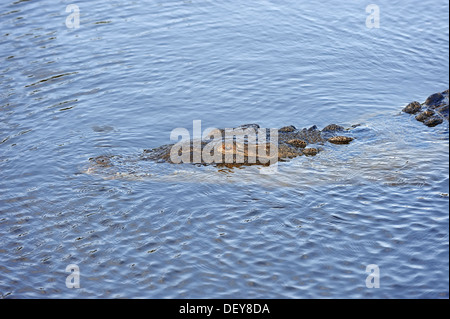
[249,144]
[433,111]
[290,142]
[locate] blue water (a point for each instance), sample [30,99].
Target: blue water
[133,72]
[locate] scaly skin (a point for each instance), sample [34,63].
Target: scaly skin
[433,111]
[292,142]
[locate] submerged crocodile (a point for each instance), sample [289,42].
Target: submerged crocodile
[250,145]
[433,111]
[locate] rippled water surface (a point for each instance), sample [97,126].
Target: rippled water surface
[132,72]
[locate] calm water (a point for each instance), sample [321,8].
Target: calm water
[132,72]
